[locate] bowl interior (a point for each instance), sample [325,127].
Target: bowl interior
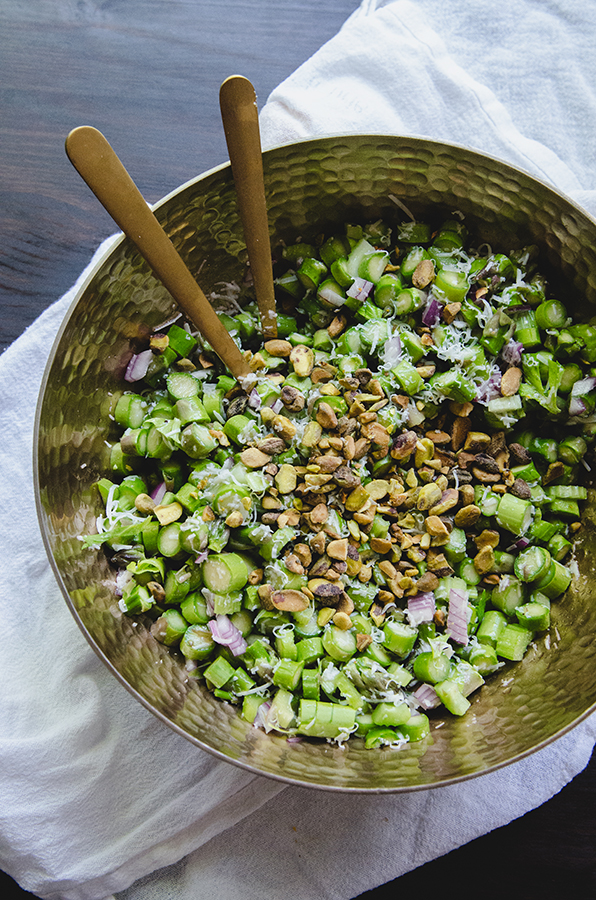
[311,187]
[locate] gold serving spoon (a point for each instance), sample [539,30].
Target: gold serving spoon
[99,166]
[238,104]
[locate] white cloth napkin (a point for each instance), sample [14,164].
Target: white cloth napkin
[96,796]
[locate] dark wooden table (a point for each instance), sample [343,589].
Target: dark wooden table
[147,73]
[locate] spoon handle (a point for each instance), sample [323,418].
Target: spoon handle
[238,104]
[99,166]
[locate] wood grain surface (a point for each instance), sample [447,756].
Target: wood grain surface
[147,73]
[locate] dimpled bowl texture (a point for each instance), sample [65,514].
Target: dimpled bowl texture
[312,187]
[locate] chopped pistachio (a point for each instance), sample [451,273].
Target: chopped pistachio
[157,591]
[319,514]
[361,447]
[169,513]
[477,441]
[366,514]
[303,553]
[467,516]
[317,480]
[284,427]
[318,543]
[466,494]
[328,593]
[423,274]
[388,569]
[380,545]
[342,621]
[449,499]
[328,464]
[278,348]
[312,434]
[363,641]
[511,381]
[411,479]
[336,326]
[365,574]
[326,416]
[435,526]
[429,496]
[324,615]
[338,549]
[235,519]
[159,342]
[367,418]
[256,362]
[377,489]
[487,538]
[484,560]
[144,503]
[322,373]
[271,502]
[461,409]
[264,592]
[286,479]
[329,390]
[302,359]
[450,311]
[356,499]
[292,399]
[267,415]
[253,458]
[289,600]
[425,450]
[485,477]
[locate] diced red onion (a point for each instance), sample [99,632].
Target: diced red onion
[260,720]
[426,696]
[457,616]
[583,386]
[432,313]
[421,608]
[577,403]
[138,365]
[520,544]
[331,296]
[277,406]
[224,632]
[208,601]
[158,492]
[512,352]
[254,399]
[294,739]
[489,389]
[360,289]
[577,406]
[392,351]
[201,557]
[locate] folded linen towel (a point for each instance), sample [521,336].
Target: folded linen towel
[96,795]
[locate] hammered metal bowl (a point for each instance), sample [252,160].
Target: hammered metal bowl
[311,187]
